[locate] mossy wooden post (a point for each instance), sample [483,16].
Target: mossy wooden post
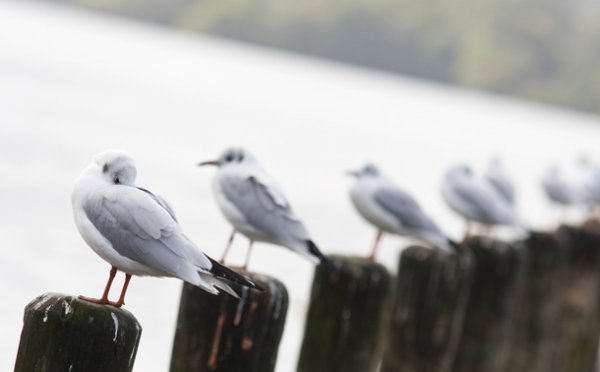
[484,343]
[63,333]
[343,324]
[424,327]
[226,334]
[538,305]
[577,331]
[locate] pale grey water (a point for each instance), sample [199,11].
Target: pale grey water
[73,84]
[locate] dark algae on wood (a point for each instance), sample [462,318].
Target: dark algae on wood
[538,305]
[63,333]
[226,334]
[343,324]
[424,327]
[490,310]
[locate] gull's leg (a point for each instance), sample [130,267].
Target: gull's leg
[121,301]
[467,230]
[378,236]
[248,255]
[229,242]
[104,299]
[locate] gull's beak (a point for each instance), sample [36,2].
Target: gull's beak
[208,162]
[352,174]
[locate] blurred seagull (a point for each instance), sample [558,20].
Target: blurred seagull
[136,231]
[496,174]
[559,189]
[392,210]
[476,199]
[253,203]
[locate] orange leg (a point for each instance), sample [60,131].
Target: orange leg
[229,242]
[104,299]
[248,255]
[373,254]
[121,301]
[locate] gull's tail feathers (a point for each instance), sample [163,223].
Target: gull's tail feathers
[224,272]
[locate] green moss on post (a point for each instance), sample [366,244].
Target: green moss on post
[427,315]
[343,323]
[538,305]
[578,328]
[484,343]
[63,333]
[222,333]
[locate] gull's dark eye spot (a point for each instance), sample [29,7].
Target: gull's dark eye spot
[116,180]
[229,157]
[105,168]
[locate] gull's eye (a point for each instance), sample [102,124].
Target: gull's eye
[229,158]
[105,168]
[116,180]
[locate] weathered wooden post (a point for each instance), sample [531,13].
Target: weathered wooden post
[432,289]
[63,333]
[538,305]
[343,324]
[225,334]
[484,343]
[577,331]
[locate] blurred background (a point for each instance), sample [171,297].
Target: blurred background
[346,82]
[541,50]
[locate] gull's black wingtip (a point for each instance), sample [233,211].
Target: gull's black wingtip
[224,272]
[314,250]
[456,246]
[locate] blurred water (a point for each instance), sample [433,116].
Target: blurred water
[73,84]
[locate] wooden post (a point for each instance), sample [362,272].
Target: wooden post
[343,324]
[578,328]
[484,343]
[427,315]
[538,305]
[225,334]
[63,333]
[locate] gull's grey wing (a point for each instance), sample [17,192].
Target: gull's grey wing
[405,208]
[162,202]
[264,208]
[560,192]
[503,186]
[480,204]
[139,228]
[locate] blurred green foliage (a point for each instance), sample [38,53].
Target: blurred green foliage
[546,50]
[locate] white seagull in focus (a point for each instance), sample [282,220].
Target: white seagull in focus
[392,210]
[497,175]
[477,200]
[254,204]
[136,231]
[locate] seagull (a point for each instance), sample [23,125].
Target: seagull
[136,231]
[254,204]
[559,189]
[392,210]
[476,199]
[496,174]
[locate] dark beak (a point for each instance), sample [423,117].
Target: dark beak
[208,162]
[352,174]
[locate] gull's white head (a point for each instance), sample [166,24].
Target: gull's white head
[116,167]
[368,171]
[230,157]
[459,171]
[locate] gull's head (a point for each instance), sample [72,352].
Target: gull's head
[231,156]
[366,172]
[116,167]
[459,170]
